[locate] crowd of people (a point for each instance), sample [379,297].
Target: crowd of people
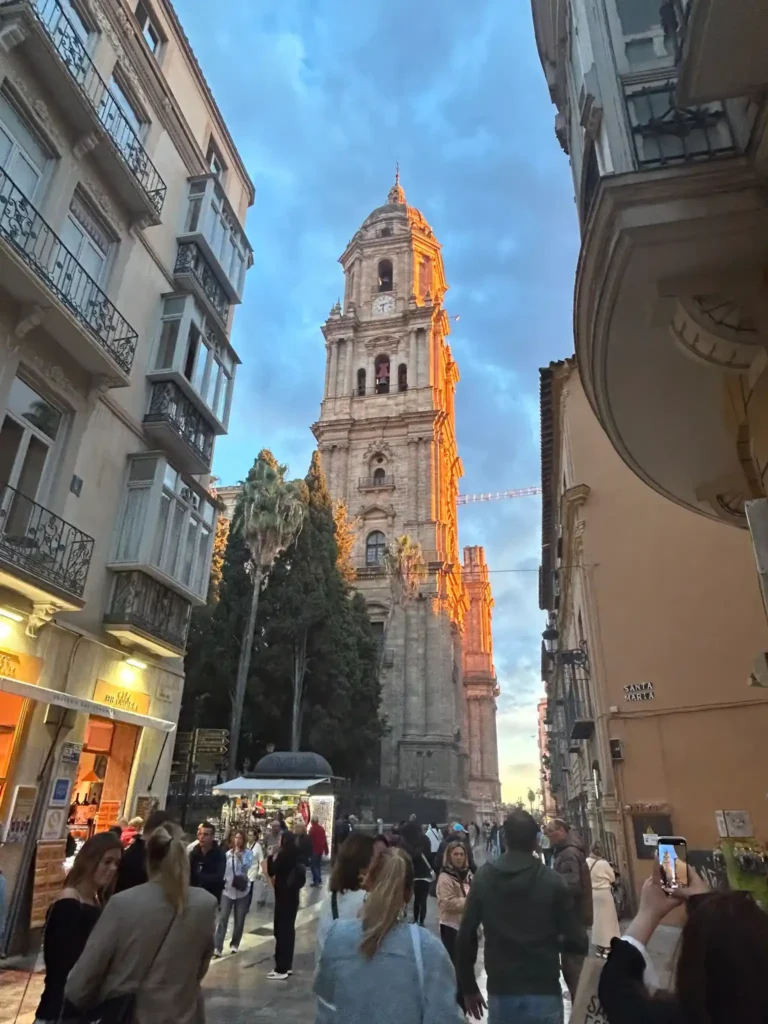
[131,935]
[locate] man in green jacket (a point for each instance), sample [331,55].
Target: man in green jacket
[528,918]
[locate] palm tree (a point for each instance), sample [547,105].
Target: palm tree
[269,515]
[531,799]
[406,571]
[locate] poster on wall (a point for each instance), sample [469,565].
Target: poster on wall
[647,829]
[20,819]
[53,826]
[144,806]
[60,793]
[738,824]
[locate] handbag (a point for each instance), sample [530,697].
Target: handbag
[239,882]
[121,1009]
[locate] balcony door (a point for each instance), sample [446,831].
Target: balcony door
[22,155]
[28,435]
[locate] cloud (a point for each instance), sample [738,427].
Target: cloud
[322,99]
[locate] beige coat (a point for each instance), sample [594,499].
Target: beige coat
[120,948]
[451,897]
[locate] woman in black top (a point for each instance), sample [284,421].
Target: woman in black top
[288,876]
[72,916]
[721,974]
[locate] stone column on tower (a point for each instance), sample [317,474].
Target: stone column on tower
[399,476]
[480,686]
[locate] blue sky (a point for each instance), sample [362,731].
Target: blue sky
[322,97]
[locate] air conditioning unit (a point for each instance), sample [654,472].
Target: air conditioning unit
[617,750]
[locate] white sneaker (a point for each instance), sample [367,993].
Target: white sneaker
[274,976]
[233,949]
[217,954]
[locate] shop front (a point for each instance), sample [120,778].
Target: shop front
[255,802]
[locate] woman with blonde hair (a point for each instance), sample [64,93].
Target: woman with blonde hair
[73,915]
[376,969]
[152,945]
[605,927]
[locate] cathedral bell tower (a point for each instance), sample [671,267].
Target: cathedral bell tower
[387,438]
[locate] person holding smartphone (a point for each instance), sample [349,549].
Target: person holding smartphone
[722,960]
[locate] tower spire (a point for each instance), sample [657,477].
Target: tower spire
[396,194]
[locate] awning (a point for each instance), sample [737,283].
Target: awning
[87,707]
[243,785]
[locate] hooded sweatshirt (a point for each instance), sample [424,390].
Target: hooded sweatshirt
[528,917]
[571,864]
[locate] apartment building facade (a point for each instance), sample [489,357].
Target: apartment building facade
[654,620]
[122,256]
[661,110]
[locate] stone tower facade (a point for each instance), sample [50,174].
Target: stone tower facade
[480,687]
[387,440]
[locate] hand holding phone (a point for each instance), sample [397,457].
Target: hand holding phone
[673,863]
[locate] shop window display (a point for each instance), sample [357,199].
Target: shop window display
[101,785]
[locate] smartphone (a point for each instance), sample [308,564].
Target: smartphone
[673,861]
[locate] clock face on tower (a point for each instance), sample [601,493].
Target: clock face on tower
[384,304]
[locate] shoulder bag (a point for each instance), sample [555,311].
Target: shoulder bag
[239,881]
[121,1009]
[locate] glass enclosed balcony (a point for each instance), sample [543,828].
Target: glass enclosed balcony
[212,224]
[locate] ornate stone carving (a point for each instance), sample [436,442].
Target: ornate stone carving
[716,331]
[52,373]
[36,105]
[40,616]
[85,144]
[11,34]
[106,208]
[377,448]
[31,317]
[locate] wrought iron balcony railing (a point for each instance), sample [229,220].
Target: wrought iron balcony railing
[73,53]
[191,261]
[37,244]
[42,544]
[139,600]
[579,716]
[374,483]
[170,405]
[666,134]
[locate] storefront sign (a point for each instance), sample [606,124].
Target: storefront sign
[70,754]
[21,814]
[14,665]
[638,691]
[165,693]
[60,793]
[49,879]
[121,697]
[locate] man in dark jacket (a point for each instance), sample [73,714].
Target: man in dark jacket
[207,861]
[132,869]
[457,834]
[528,917]
[303,844]
[570,862]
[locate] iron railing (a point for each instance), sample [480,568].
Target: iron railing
[138,600]
[75,57]
[579,716]
[44,545]
[373,482]
[190,260]
[666,134]
[168,404]
[23,227]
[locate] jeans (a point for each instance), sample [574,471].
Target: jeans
[525,1010]
[420,897]
[285,933]
[571,965]
[241,909]
[317,871]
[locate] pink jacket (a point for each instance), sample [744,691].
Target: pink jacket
[451,897]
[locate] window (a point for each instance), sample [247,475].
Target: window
[120,117]
[126,105]
[402,377]
[29,431]
[638,16]
[209,215]
[361,382]
[379,477]
[375,548]
[189,345]
[76,20]
[149,29]
[166,524]
[215,163]
[385,276]
[425,277]
[86,239]
[22,155]
[382,375]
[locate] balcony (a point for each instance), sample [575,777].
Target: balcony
[38,270]
[579,716]
[376,483]
[720,47]
[193,273]
[175,423]
[51,43]
[144,612]
[42,556]
[212,224]
[371,571]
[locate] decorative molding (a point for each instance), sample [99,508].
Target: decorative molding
[11,34]
[576,496]
[37,107]
[85,144]
[31,317]
[40,616]
[52,373]
[377,448]
[715,331]
[117,223]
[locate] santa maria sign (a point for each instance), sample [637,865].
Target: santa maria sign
[638,691]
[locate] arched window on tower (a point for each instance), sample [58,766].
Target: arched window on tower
[385,275]
[381,367]
[361,382]
[379,477]
[375,548]
[402,377]
[425,276]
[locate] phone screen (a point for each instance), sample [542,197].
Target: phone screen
[673,861]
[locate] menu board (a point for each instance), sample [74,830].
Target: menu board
[48,879]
